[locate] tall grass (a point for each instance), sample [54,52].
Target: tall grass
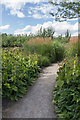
[73,47]
[39,40]
[54,51]
[59,50]
[60,39]
[42,46]
[73,40]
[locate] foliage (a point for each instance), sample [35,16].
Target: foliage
[44,49]
[12,41]
[60,39]
[43,61]
[59,50]
[72,50]
[67,90]
[0,74]
[46,32]
[18,72]
[65,9]
[67,34]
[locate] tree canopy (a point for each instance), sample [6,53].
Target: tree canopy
[65,9]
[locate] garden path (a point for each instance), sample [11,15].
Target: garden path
[37,103]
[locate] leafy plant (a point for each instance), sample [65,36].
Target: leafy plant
[43,61]
[45,48]
[72,50]
[59,51]
[67,90]
[12,41]
[18,72]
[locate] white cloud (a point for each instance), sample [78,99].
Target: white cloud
[29,12]
[41,11]
[18,13]
[4,27]
[39,16]
[58,27]
[16,5]
[75,27]
[72,19]
[28,27]
[75,34]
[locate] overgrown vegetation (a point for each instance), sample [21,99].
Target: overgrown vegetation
[18,72]
[59,51]
[22,57]
[54,51]
[73,49]
[9,40]
[43,61]
[67,90]
[13,41]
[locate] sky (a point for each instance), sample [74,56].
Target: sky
[28,16]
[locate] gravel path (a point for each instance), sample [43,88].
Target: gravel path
[37,103]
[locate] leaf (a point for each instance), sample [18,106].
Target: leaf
[69,107]
[61,83]
[14,88]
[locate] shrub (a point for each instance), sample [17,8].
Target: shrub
[67,90]
[43,61]
[59,51]
[72,50]
[61,39]
[18,72]
[12,41]
[43,48]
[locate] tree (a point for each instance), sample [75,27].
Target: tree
[48,32]
[65,9]
[67,34]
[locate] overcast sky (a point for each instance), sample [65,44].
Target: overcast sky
[27,16]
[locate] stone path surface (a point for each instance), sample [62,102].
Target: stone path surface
[37,103]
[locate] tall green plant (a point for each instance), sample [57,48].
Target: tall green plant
[44,49]
[18,72]
[72,50]
[67,90]
[59,50]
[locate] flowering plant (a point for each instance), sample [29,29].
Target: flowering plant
[18,72]
[67,90]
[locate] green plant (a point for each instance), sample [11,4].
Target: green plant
[44,49]
[67,90]
[43,61]
[45,32]
[59,51]
[12,41]
[18,72]
[72,50]
[60,39]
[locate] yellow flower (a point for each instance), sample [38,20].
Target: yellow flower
[35,62]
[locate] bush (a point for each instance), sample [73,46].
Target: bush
[61,40]
[59,51]
[67,90]
[18,72]
[44,49]
[72,50]
[12,41]
[43,61]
